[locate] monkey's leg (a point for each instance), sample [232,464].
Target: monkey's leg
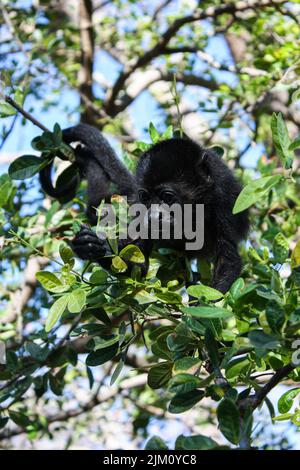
[227,266]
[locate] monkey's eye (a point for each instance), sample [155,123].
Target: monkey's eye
[143,196]
[168,197]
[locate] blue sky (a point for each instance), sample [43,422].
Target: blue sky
[142,110]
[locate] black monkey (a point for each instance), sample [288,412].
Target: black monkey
[175,170]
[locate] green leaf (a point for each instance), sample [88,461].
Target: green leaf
[237,288]
[20,419]
[6,110]
[270,407]
[168,134]
[37,352]
[67,152]
[281,140]
[144,297]
[67,278]
[296,418]
[154,134]
[132,253]
[183,383]
[169,297]
[187,364]
[236,367]
[295,258]
[212,347]
[254,191]
[141,147]
[285,417]
[197,442]
[156,443]
[90,377]
[96,358]
[3,422]
[268,294]
[280,248]
[246,424]
[201,290]
[19,96]
[117,372]
[66,253]
[180,339]
[159,375]
[6,188]
[180,343]
[105,342]
[229,420]
[51,282]
[56,312]
[77,300]
[275,316]
[184,401]
[57,134]
[262,340]
[26,166]
[286,401]
[100,314]
[160,348]
[98,277]
[295,95]
[295,144]
[118,264]
[207,312]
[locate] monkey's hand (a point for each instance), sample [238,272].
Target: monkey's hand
[88,246]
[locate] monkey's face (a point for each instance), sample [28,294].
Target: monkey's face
[171,181]
[172,171]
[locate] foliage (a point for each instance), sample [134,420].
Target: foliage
[250,329]
[155,341]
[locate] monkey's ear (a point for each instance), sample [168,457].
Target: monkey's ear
[203,170]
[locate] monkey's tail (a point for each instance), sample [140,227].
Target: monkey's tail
[65,192]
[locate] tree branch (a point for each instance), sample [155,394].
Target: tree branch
[85,76]
[255,400]
[159,9]
[210,13]
[107,394]
[261,394]
[19,299]
[212,62]
[141,81]
[26,115]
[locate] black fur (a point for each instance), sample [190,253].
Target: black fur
[189,172]
[98,163]
[199,176]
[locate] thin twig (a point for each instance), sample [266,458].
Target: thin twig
[26,115]
[255,400]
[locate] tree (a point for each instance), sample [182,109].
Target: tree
[136,342]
